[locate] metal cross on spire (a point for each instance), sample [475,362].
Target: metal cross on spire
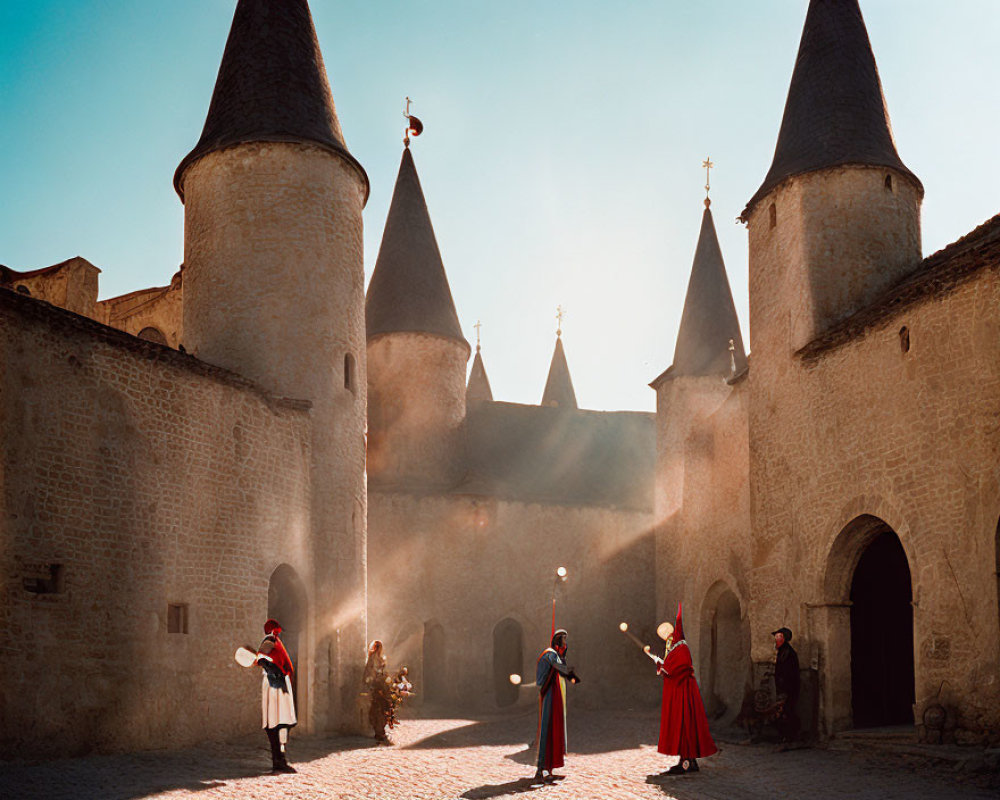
[559,318]
[477,326]
[707,164]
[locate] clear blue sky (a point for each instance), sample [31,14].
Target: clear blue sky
[561,159]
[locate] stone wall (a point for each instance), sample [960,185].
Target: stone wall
[467,563]
[902,429]
[135,478]
[416,407]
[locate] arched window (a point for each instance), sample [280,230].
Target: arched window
[154,335]
[888,183]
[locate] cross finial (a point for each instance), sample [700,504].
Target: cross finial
[477,326]
[732,357]
[707,164]
[559,318]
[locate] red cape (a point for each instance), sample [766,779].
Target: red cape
[683,724]
[277,653]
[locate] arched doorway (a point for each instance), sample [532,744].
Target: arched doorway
[725,651]
[406,650]
[286,602]
[508,659]
[434,663]
[869,629]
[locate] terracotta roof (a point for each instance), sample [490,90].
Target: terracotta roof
[409,291]
[936,275]
[835,113]
[551,455]
[709,319]
[478,387]
[272,86]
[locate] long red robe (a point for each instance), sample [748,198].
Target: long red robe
[551,710]
[683,724]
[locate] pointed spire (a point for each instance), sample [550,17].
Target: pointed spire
[479,385]
[835,113]
[559,385]
[409,288]
[272,85]
[709,321]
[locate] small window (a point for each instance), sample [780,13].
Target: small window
[177,618]
[904,339]
[888,183]
[350,382]
[50,584]
[153,335]
[22,289]
[774,215]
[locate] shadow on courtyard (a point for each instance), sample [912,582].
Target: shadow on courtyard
[136,775]
[588,732]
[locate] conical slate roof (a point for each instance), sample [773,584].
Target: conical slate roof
[835,113]
[479,385]
[559,385]
[272,85]
[409,289]
[709,319]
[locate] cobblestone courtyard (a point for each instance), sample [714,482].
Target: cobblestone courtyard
[613,756]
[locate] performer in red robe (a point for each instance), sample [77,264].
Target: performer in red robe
[551,676]
[683,724]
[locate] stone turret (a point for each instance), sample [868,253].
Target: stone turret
[837,218]
[417,354]
[702,459]
[559,385]
[274,290]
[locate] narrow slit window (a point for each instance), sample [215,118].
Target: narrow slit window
[49,584]
[904,339]
[350,381]
[888,183]
[774,215]
[177,618]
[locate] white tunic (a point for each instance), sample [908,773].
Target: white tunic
[277,707]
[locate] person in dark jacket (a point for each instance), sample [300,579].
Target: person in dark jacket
[786,686]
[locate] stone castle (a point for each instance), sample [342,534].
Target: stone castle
[260,438]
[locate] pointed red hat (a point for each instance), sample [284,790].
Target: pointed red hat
[679,627]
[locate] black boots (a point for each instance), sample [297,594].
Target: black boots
[278,761]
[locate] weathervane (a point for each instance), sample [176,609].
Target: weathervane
[559,318]
[477,326]
[707,164]
[413,125]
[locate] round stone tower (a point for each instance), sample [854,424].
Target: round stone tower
[274,291]
[837,219]
[417,354]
